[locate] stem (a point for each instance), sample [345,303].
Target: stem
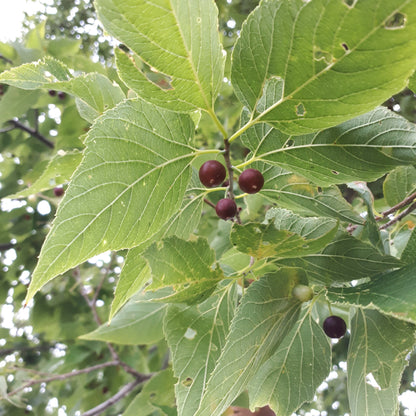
[34,133]
[217,122]
[127,389]
[208,202]
[227,158]
[63,376]
[242,129]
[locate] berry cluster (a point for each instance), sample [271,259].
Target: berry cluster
[212,173]
[61,94]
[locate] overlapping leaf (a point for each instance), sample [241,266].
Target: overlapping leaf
[16,102]
[138,323]
[94,92]
[294,372]
[132,179]
[178,39]
[298,194]
[344,259]
[287,235]
[363,148]
[376,358]
[198,332]
[188,267]
[399,183]
[157,394]
[336,59]
[135,272]
[265,316]
[59,170]
[391,293]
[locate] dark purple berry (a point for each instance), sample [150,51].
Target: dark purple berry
[226,208]
[212,173]
[61,95]
[58,191]
[52,93]
[334,326]
[251,181]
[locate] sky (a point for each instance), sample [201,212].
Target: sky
[11,17]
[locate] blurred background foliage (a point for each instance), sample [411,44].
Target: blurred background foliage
[35,126]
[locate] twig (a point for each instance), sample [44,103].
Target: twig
[8,351]
[7,246]
[6,129]
[6,59]
[407,211]
[396,207]
[92,306]
[103,277]
[17,124]
[408,200]
[128,388]
[63,376]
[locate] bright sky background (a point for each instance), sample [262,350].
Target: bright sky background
[11,17]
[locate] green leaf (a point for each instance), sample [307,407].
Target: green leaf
[408,255]
[287,235]
[294,372]
[16,102]
[399,183]
[58,171]
[156,393]
[198,332]
[188,267]
[343,260]
[371,231]
[336,59]
[178,39]
[376,358]
[139,322]
[361,149]
[298,194]
[265,316]
[132,179]
[134,275]
[94,92]
[135,272]
[391,293]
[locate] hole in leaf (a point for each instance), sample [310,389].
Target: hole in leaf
[350,3]
[124,48]
[369,379]
[335,172]
[187,382]
[289,143]
[397,21]
[300,110]
[190,333]
[345,46]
